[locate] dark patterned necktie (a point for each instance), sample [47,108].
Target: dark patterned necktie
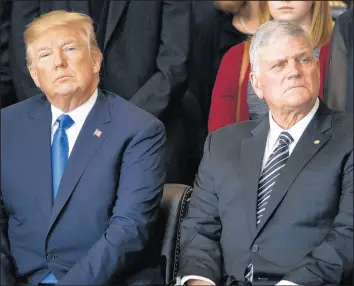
[271,171]
[269,174]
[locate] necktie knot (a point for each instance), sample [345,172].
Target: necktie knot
[285,138]
[65,121]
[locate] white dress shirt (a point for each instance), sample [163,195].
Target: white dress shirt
[296,132]
[78,115]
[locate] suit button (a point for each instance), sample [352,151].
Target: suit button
[255,248]
[50,257]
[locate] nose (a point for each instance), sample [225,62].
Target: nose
[294,70]
[59,59]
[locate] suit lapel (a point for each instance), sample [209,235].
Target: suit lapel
[252,151]
[84,149]
[115,12]
[309,144]
[39,144]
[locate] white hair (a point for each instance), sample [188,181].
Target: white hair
[269,33]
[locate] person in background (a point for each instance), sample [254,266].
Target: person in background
[233,99]
[349,3]
[233,23]
[82,170]
[267,207]
[7,90]
[146,49]
[339,90]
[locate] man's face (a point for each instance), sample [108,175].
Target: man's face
[294,11]
[288,74]
[61,64]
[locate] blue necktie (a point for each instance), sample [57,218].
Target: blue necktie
[60,150]
[60,155]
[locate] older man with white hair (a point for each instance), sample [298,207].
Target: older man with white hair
[273,199]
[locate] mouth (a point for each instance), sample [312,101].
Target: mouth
[62,78]
[294,86]
[286,8]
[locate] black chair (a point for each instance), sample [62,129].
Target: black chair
[173,208]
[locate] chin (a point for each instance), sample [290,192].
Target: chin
[296,99]
[301,103]
[288,17]
[65,91]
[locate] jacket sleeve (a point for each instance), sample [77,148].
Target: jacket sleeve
[224,95]
[336,89]
[7,91]
[201,230]
[332,260]
[169,83]
[23,12]
[7,264]
[134,214]
[202,69]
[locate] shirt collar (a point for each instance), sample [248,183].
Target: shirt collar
[79,114]
[295,131]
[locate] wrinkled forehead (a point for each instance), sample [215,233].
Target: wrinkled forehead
[285,47]
[58,36]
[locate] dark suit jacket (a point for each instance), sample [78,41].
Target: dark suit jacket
[146,47]
[7,91]
[99,228]
[339,92]
[306,233]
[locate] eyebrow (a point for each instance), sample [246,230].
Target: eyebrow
[70,41]
[42,49]
[284,59]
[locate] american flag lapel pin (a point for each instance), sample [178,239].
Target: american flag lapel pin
[97,133]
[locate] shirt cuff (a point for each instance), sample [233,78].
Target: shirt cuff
[195,277]
[190,277]
[285,282]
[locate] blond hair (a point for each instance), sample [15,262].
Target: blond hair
[321,24]
[60,18]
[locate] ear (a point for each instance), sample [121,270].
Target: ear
[318,68]
[96,61]
[34,75]
[256,84]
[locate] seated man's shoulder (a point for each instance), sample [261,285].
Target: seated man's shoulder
[235,132]
[22,108]
[131,115]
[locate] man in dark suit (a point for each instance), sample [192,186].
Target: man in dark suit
[339,91]
[145,46]
[7,91]
[82,170]
[273,199]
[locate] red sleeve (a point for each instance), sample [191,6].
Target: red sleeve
[324,61]
[224,96]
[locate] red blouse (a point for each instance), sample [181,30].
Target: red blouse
[224,100]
